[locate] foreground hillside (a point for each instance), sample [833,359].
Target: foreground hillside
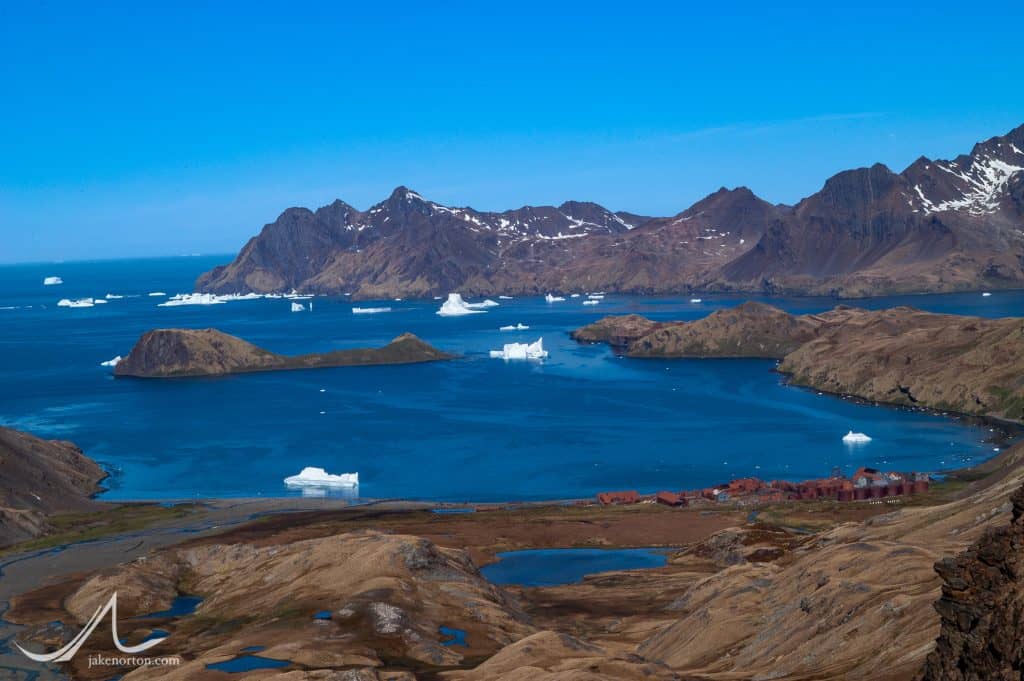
[970,365]
[935,226]
[40,478]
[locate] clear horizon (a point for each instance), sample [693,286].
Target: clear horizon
[131,131]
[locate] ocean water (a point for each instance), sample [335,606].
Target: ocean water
[475,429]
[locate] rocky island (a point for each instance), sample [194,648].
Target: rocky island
[970,365]
[172,353]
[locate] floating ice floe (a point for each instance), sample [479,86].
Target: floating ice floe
[370,310]
[318,477]
[111,362]
[986,294]
[696,300]
[298,307]
[206,299]
[533,350]
[52,281]
[855,438]
[514,327]
[80,302]
[553,299]
[157,294]
[455,306]
[591,301]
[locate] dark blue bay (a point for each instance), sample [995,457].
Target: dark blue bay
[475,429]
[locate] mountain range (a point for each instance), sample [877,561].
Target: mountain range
[939,225]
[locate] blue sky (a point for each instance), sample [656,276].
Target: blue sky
[133,129]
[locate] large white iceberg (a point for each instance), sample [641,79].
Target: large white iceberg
[533,350]
[112,362]
[298,307]
[855,438]
[206,299]
[455,306]
[370,310]
[52,281]
[81,302]
[318,477]
[514,327]
[553,299]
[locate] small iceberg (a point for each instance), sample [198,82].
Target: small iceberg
[986,294]
[533,350]
[553,299]
[855,438]
[514,327]
[112,362]
[318,477]
[298,307]
[455,306]
[696,300]
[595,296]
[206,299]
[157,294]
[113,296]
[81,302]
[370,310]
[505,298]
[52,281]
[591,302]
[575,295]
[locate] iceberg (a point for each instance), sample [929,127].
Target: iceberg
[575,295]
[206,298]
[591,301]
[595,296]
[318,477]
[81,302]
[505,298]
[157,294]
[52,281]
[986,294]
[514,327]
[455,306]
[113,296]
[111,362]
[370,310]
[298,307]
[553,299]
[855,438]
[533,350]
[696,300]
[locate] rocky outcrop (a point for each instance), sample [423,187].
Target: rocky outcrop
[171,353]
[981,608]
[936,226]
[41,478]
[970,365]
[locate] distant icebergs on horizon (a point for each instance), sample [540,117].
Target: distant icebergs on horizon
[370,310]
[553,299]
[312,476]
[514,327]
[112,362]
[455,306]
[80,302]
[855,438]
[52,281]
[534,350]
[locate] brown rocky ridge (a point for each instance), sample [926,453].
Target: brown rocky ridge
[170,353]
[935,226]
[969,365]
[40,478]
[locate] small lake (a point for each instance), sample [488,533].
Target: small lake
[555,567]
